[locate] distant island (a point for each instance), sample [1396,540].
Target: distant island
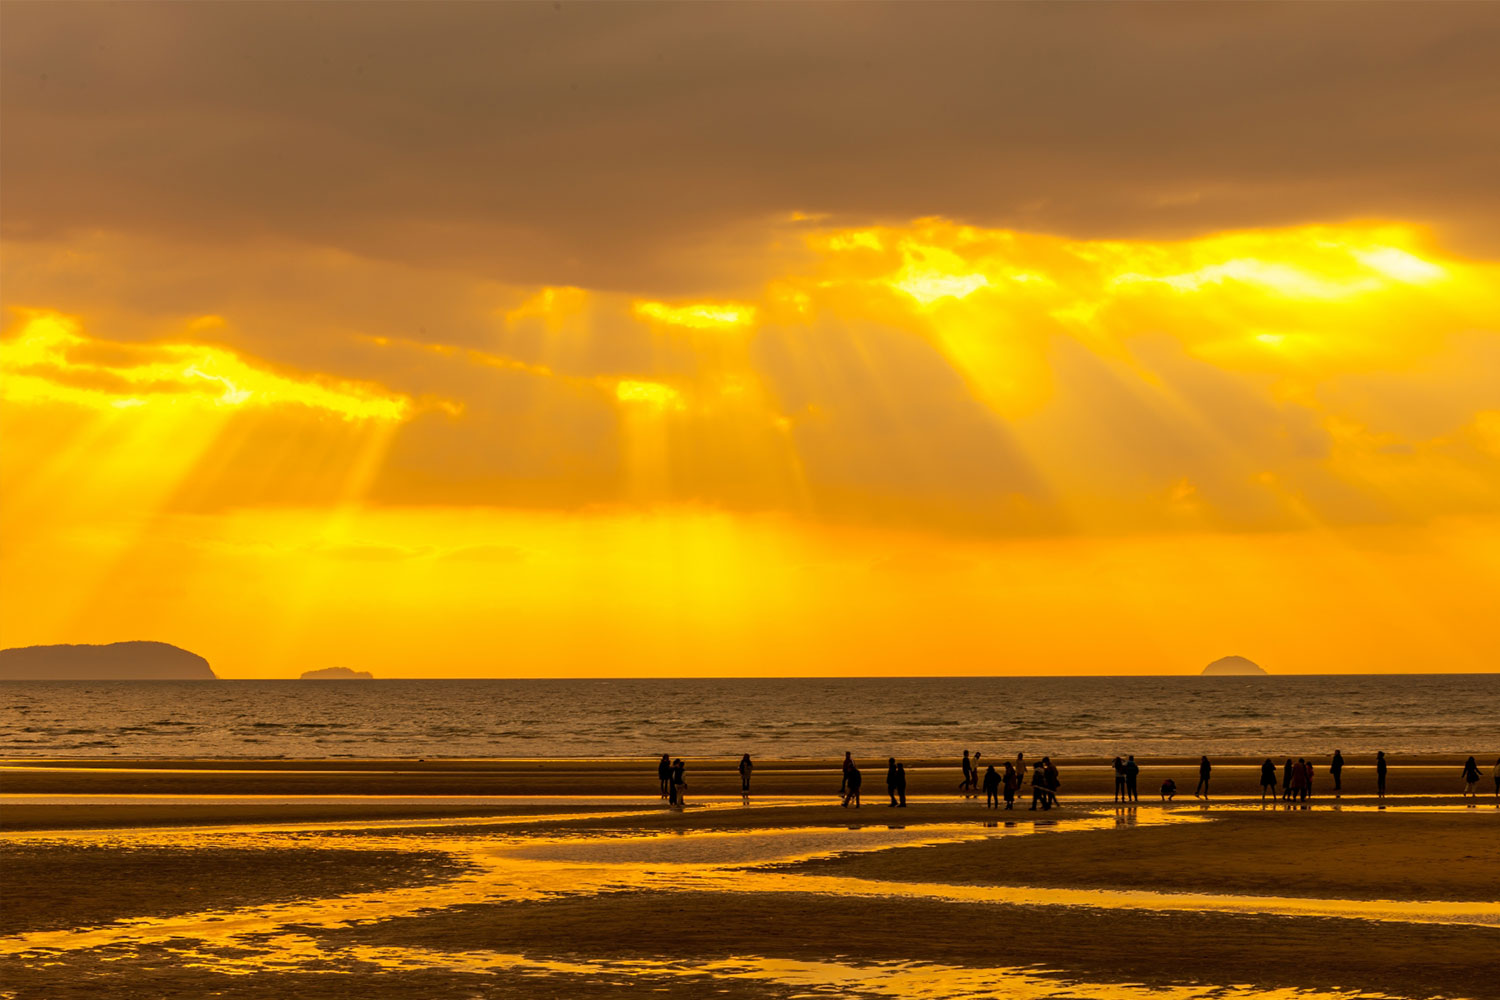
[1233,666]
[115,661]
[337,674]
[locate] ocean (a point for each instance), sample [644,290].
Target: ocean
[768,717]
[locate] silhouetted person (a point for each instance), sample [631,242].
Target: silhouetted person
[745,768]
[963,786]
[1336,768]
[1132,772]
[1020,769]
[1010,783]
[1299,780]
[1039,788]
[1054,780]
[1204,770]
[1471,778]
[848,766]
[1286,781]
[1168,790]
[1307,789]
[1119,766]
[1497,777]
[679,783]
[891,781]
[852,783]
[992,788]
[1380,774]
[664,773]
[901,784]
[1268,780]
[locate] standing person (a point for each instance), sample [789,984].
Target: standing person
[745,768]
[1054,781]
[1012,781]
[664,774]
[1471,778]
[1336,768]
[892,779]
[1497,777]
[851,789]
[901,784]
[1299,780]
[848,766]
[1039,788]
[974,770]
[679,783]
[1286,781]
[1268,780]
[1132,772]
[1307,788]
[1204,770]
[1380,774]
[1119,766]
[963,786]
[991,788]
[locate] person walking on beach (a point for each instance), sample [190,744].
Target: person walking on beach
[891,780]
[1012,781]
[853,779]
[901,785]
[679,783]
[1039,788]
[1132,772]
[1471,778]
[1119,766]
[745,768]
[991,788]
[1267,780]
[1054,781]
[664,774]
[1204,770]
[1336,768]
[848,766]
[968,765]
[1380,774]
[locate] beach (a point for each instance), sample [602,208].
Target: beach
[461,878]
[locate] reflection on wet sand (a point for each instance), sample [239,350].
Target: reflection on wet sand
[538,857]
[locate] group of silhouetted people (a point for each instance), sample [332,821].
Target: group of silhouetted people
[1294,784]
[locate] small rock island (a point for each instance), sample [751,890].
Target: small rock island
[337,674]
[1233,666]
[115,661]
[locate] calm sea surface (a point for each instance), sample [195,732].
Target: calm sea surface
[815,717]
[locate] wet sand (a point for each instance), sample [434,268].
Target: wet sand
[561,897]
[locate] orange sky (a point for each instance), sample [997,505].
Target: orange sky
[428,415]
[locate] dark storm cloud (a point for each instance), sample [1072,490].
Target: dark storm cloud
[644,146]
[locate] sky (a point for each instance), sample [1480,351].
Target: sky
[650,339]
